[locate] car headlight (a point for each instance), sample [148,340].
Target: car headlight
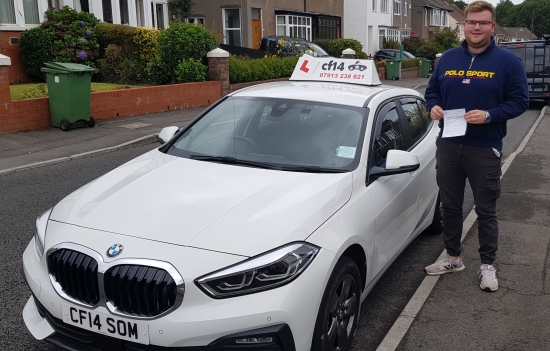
[40,234]
[266,271]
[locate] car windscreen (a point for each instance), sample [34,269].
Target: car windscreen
[276,132]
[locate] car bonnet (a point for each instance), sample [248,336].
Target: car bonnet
[226,208]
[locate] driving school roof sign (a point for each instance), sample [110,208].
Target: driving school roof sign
[336,70]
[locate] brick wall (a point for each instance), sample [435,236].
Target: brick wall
[14,53]
[410,73]
[34,114]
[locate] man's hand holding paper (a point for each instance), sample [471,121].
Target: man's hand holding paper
[455,123]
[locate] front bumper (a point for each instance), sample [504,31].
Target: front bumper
[288,313]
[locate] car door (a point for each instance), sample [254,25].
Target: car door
[395,197]
[423,132]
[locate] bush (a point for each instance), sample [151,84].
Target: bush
[117,34]
[117,67]
[336,46]
[36,48]
[446,38]
[429,50]
[146,55]
[73,35]
[410,63]
[183,41]
[323,43]
[241,71]
[381,64]
[412,44]
[389,43]
[190,70]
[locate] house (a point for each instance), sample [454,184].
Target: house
[17,16]
[519,34]
[245,22]
[456,21]
[501,35]
[371,21]
[429,16]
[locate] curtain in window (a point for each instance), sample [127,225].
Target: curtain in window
[160,16]
[31,12]
[7,11]
[124,15]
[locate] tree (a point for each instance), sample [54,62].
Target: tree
[505,13]
[459,3]
[183,8]
[446,38]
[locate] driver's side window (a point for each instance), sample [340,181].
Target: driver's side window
[390,137]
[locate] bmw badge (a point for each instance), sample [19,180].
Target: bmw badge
[115,250]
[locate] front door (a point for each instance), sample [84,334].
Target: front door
[256,28]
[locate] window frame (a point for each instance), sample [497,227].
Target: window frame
[397,7]
[384,6]
[289,24]
[225,29]
[19,13]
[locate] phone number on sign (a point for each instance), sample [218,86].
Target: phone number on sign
[341,76]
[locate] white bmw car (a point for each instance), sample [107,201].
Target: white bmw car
[262,225]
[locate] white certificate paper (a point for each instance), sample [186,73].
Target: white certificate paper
[455,124]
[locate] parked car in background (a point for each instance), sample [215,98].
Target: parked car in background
[535,55]
[291,46]
[385,54]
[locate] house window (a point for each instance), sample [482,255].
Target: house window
[81,5]
[327,28]
[444,18]
[140,15]
[381,35]
[405,9]
[107,11]
[425,17]
[396,7]
[281,25]
[294,26]
[196,20]
[53,4]
[374,5]
[384,6]
[157,15]
[124,15]
[232,27]
[30,8]
[436,17]
[7,11]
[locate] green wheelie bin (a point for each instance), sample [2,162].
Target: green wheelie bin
[425,67]
[69,87]
[392,69]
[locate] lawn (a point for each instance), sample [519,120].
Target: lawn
[36,90]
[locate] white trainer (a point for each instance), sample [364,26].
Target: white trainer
[488,277]
[445,265]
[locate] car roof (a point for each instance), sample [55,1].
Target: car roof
[328,92]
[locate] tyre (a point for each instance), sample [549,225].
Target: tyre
[64,125]
[91,122]
[339,311]
[437,222]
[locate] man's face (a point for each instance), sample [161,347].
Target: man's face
[479,36]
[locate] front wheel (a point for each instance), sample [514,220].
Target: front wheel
[91,122]
[339,311]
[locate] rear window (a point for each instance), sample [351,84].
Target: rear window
[539,63]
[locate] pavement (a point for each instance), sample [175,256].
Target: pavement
[448,311]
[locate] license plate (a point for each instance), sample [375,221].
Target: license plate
[107,324]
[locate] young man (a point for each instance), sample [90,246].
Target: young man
[490,83]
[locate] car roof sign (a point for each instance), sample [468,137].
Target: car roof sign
[331,69]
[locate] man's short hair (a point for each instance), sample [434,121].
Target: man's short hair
[478,6]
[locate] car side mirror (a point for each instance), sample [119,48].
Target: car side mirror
[397,162]
[166,134]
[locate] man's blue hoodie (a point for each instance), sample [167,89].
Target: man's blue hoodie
[493,80]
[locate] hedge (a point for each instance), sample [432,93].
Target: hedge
[242,71]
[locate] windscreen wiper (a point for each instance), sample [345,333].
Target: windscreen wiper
[232,161]
[313,169]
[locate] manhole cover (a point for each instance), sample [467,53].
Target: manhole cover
[135,125]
